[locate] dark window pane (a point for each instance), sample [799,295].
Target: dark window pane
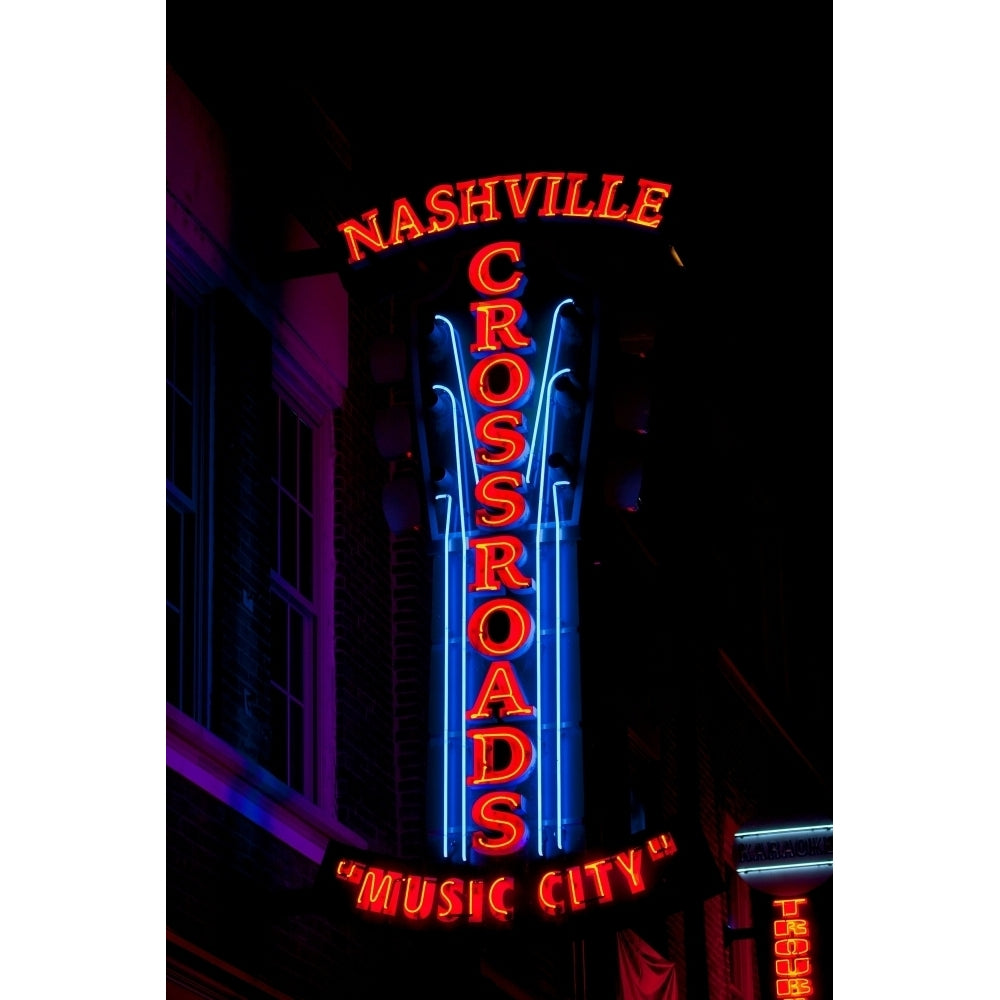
[295,748]
[171,337]
[279,735]
[273,437]
[289,451]
[306,554]
[288,563]
[183,445]
[170,435]
[279,640]
[305,466]
[184,370]
[174,557]
[295,654]
[173,657]
[187,614]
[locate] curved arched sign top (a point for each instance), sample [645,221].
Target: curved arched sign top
[541,194]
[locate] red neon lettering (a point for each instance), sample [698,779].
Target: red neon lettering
[546,885]
[379,891]
[475,901]
[477,204]
[794,988]
[494,811]
[492,432]
[789,928]
[425,902]
[789,907]
[574,882]
[552,182]
[606,200]
[450,902]
[500,381]
[481,278]
[793,966]
[404,222]
[791,946]
[631,866]
[496,561]
[495,897]
[355,233]
[573,207]
[497,491]
[498,318]
[486,198]
[661,847]
[500,687]
[446,214]
[519,632]
[650,200]
[598,871]
[519,202]
[522,756]
[350,871]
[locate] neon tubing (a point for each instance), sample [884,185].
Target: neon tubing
[781,868]
[559,793]
[548,357]
[538,604]
[789,829]
[447,672]
[460,487]
[460,373]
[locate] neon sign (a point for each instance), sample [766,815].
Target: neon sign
[546,195]
[507,380]
[442,898]
[787,859]
[792,960]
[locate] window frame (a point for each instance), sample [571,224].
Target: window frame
[200,503]
[293,385]
[198,265]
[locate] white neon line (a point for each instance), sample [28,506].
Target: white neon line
[781,868]
[460,487]
[789,829]
[559,792]
[447,670]
[545,370]
[547,393]
[460,372]
[545,438]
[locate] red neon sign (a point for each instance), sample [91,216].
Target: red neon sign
[444,899]
[475,202]
[792,944]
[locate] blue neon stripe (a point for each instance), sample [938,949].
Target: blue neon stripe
[780,868]
[447,671]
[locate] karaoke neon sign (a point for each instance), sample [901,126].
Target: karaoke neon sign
[509,381]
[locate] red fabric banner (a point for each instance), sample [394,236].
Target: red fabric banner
[643,973]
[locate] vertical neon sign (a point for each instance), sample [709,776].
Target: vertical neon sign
[505,383]
[792,962]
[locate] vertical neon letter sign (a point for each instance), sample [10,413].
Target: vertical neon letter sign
[505,383]
[792,962]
